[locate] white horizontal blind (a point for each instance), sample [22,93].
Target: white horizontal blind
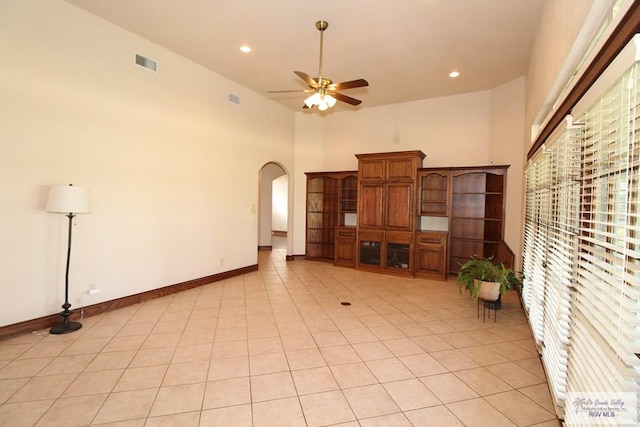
[564,190]
[605,341]
[535,242]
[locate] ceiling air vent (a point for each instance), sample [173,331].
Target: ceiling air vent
[145,62]
[233,99]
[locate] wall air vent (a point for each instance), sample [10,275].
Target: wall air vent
[145,62]
[233,99]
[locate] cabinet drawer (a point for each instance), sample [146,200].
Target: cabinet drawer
[432,239]
[348,233]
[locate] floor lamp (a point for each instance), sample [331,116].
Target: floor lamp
[69,200]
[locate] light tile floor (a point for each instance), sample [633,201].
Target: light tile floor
[276,348]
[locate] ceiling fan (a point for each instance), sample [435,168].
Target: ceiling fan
[325,92]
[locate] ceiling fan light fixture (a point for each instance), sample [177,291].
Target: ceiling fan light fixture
[331,101]
[313,100]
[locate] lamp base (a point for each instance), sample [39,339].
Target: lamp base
[65,328]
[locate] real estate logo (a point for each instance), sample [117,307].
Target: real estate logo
[601,408]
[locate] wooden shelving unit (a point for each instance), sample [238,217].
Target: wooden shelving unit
[477,214]
[372,219]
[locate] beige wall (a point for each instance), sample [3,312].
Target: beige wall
[559,28]
[172,167]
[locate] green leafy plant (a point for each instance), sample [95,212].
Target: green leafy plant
[478,270]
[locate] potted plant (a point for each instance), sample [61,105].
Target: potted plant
[486,279]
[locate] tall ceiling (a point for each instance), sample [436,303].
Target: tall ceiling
[405,49]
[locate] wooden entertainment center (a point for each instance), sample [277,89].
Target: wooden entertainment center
[394,216]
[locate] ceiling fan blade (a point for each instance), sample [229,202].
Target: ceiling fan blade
[290,91]
[304,76]
[345,98]
[349,85]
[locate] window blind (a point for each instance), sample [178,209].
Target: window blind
[581,252]
[606,334]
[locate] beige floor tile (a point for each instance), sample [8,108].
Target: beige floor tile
[186,373]
[44,349]
[387,370]
[226,349]
[234,391]
[326,408]
[423,365]
[403,347]
[178,399]
[329,338]
[234,367]
[188,419]
[162,340]
[67,365]
[9,387]
[112,360]
[153,356]
[314,380]
[139,378]
[482,381]
[126,405]
[305,359]
[284,326]
[372,350]
[370,401]
[281,413]
[272,386]
[533,365]
[265,345]
[73,411]
[230,334]
[448,388]
[133,342]
[393,420]
[541,395]
[24,368]
[479,413]
[24,414]
[192,353]
[411,394]
[360,335]
[298,342]
[41,388]
[268,363]
[436,416]
[514,375]
[483,355]
[98,382]
[432,342]
[353,375]
[454,360]
[519,408]
[236,416]
[86,346]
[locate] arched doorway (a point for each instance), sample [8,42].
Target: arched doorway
[273,207]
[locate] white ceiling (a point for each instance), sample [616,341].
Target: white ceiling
[405,49]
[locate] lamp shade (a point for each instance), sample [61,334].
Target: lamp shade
[68,199]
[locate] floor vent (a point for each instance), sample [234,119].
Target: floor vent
[146,62]
[233,99]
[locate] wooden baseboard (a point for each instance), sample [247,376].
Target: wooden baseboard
[294,257]
[265,248]
[106,306]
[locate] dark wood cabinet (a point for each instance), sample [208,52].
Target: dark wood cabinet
[434,192]
[477,214]
[330,195]
[393,216]
[431,254]
[387,195]
[345,247]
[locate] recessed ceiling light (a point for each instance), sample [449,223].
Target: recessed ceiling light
[245,49]
[454,74]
